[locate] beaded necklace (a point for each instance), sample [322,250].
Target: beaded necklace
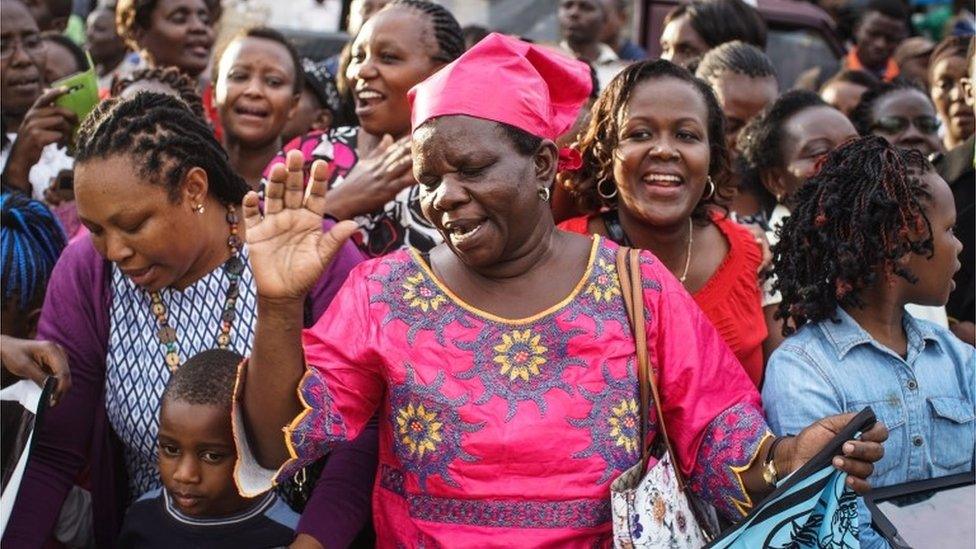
[233,267]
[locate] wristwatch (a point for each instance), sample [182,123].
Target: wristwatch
[769,472]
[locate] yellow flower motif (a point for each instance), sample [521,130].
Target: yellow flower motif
[604,288]
[421,295]
[520,354]
[419,429]
[623,424]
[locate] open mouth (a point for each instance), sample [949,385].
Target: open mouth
[367,99]
[663,180]
[254,112]
[462,231]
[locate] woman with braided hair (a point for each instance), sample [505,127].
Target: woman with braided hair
[163,275]
[370,175]
[167,80]
[871,232]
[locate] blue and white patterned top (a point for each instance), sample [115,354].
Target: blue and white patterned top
[136,364]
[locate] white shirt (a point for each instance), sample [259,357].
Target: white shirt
[54,158]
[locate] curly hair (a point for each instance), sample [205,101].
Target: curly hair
[601,137]
[166,140]
[863,115]
[853,220]
[184,86]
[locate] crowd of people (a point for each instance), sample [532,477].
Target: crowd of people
[373,300]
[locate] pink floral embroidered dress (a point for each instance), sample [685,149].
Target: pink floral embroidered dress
[502,433]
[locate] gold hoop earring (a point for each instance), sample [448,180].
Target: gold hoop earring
[604,194]
[711,189]
[544,194]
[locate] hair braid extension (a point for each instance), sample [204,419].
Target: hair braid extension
[31,240]
[172,77]
[855,219]
[166,139]
[447,31]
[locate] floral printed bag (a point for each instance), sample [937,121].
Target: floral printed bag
[651,507]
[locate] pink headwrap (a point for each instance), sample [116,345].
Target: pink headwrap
[507,80]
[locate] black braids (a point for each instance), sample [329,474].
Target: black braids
[447,31]
[207,378]
[863,115]
[853,220]
[182,84]
[599,140]
[736,57]
[165,137]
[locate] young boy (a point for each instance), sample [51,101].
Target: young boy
[199,505]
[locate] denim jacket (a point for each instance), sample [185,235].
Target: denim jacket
[926,399]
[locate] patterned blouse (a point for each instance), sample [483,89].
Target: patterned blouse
[399,224]
[505,432]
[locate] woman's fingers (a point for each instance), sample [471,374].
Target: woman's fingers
[48,97]
[317,187]
[294,179]
[332,241]
[274,190]
[55,361]
[251,208]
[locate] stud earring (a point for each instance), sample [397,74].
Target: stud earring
[544,194]
[198,208]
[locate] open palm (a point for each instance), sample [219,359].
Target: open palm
[288,249]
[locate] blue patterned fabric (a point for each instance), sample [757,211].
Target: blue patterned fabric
[136,371]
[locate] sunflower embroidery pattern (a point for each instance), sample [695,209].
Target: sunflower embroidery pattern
[600,299]
[427,428]
[613,423]
[414,299]
[522,363]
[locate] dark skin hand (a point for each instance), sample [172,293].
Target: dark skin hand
[44,123]
[375,180]
[36,360]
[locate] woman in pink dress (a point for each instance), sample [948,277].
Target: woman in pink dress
[501,364]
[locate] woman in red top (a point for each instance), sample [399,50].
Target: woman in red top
[655,166]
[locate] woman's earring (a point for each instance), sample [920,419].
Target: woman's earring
[606,195]
[711,189]
[198,208]
[544,194]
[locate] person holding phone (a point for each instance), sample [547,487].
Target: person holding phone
[34,128]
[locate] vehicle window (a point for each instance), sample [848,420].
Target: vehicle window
[794,52]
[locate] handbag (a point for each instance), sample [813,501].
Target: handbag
[652,507]
[812,508]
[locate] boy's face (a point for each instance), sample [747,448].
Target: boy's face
[196,459]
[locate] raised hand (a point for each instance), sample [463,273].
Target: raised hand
[288,250]
[374,180]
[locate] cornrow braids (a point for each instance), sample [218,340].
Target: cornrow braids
[165,139]
[863,115]
[184,86]
[735,57]
[601,137]
[205,379]
[760,139]
[447,31]
[31,240]
[850,223]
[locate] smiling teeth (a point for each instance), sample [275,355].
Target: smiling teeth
[662,177]
[369,95]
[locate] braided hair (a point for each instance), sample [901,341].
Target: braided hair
[447,31]
[205,379]
[31,240]
[601,137]
[863,115]
[184,86]
[167,140]
[859,215]
[736,57]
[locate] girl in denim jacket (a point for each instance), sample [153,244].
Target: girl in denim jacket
[870,233]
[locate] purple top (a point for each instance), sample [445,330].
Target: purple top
[76,433]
